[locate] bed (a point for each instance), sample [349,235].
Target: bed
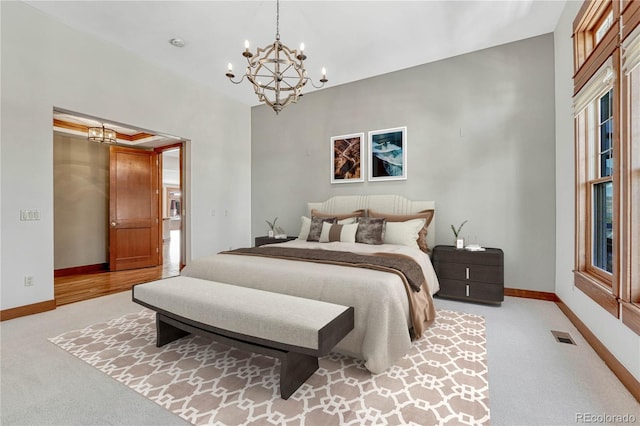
[385,307]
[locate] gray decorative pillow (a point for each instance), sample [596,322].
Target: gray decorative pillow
[370,230]
[315,228]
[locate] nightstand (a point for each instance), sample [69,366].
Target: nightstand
[476,276]
[260,241]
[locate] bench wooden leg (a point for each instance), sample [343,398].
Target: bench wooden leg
[295,369]
[167,333]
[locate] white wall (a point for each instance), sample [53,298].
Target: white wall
[620,340]
[480,143]
[46,64]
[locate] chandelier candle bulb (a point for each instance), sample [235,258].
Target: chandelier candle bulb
[301,56]
[247,53]
[230,71]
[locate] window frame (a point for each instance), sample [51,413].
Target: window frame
[597,283]
[630,165]
[616,55]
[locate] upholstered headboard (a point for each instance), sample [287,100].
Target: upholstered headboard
[391,204]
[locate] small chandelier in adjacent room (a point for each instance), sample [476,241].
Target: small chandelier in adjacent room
[276,72]
[102,135]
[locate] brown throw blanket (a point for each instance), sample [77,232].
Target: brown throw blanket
[421,307]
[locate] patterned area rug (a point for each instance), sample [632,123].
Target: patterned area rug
[442,380]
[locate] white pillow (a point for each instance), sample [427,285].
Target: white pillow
[403,233]
[337,232]
[306,225]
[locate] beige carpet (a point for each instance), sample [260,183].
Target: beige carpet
[442,380]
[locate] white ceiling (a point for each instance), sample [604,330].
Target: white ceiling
[352,39]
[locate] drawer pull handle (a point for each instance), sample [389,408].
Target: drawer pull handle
[467,290]
[467,273]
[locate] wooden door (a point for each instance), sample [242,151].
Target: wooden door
[133,209]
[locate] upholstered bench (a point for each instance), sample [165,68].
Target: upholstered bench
[295,330]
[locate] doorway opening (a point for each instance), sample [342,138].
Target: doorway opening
[85,223]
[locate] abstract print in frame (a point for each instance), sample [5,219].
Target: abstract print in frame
[346,158]
[388,154]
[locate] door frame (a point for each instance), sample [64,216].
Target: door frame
[183,214]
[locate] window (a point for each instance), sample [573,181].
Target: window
[630,173]
[607,22]
[607,161]
[602,189]
[595,173]
[594,37]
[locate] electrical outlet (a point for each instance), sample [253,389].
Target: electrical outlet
[28,281]
[29,215]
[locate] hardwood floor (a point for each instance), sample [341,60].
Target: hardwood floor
[75,288]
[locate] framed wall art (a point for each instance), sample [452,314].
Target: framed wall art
[388,154]
[346,158]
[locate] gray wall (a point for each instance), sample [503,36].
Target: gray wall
[480,144]
[80,201]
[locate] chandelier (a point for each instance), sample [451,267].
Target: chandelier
[276,72]
[101,134]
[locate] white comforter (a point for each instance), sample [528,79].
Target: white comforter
[381,333]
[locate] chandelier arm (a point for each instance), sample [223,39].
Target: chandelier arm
[314,85]
[237,82]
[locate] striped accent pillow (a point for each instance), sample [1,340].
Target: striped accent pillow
[336,232]
[315,229]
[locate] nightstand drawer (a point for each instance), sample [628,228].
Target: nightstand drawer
[490,256]
[470,272]
[471,290]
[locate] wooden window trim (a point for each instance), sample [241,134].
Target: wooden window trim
[629,165]
[589,56]
[603,280]
[622,298]
[631,316]
[630,17]
[598,292]
[590,84]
